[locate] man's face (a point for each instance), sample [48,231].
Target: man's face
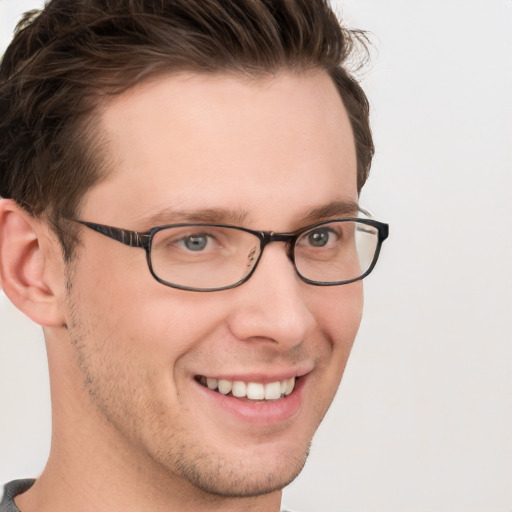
[257,153]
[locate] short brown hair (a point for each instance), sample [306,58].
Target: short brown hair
[67,58]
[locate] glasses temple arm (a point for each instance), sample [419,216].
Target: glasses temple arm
[130,238]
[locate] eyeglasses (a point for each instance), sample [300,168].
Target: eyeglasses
[213,257]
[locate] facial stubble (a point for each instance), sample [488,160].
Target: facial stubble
[139,421]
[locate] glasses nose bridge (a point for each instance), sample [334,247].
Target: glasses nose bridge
[269,237]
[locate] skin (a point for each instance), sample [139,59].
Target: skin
[132,429]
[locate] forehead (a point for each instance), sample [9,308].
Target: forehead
[191,141]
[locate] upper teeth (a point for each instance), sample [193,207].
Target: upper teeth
[251,390]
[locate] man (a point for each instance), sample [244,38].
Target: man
[180,184]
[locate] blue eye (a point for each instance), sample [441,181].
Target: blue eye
[319,237]
[196,242]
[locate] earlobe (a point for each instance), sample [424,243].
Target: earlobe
[25,266]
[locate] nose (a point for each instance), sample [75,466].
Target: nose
[271,305]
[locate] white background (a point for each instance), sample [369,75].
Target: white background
[423,420]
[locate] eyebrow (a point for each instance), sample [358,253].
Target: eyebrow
[340,208]
[203,215]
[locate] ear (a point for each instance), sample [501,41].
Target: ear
[28,265]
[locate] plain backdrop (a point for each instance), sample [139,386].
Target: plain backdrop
[423,419]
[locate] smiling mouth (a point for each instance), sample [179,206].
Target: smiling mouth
[249,390]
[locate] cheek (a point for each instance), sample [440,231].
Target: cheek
[154,326]
[339,314]
[118,298]
[339,319]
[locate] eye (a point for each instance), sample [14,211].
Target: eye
[320,237]
[196,243]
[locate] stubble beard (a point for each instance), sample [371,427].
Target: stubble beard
[171,453]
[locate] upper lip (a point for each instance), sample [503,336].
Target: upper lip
[263,377]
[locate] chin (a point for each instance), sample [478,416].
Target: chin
[236,482]
[243,476]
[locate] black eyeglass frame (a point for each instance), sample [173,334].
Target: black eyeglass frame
[144,241]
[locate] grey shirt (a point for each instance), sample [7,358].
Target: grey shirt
[11,490]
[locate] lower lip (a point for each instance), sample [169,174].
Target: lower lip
[259,412]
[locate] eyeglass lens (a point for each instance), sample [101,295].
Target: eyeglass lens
[210,257]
